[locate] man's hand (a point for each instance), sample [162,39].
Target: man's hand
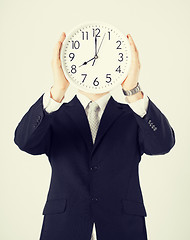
[60,82]
[131,80]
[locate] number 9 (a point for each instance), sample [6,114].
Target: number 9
[71,55]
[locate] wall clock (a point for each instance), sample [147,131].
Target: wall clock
[95,57]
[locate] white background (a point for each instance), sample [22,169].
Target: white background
[29,31]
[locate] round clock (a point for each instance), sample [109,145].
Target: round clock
[95,57]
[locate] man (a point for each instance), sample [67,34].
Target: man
[94,189]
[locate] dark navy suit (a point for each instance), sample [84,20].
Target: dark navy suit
[94,183]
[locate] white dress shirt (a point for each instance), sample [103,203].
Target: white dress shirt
[140,107]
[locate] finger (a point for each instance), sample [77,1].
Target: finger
[132,42]
[62,37]
[135,53]
[56,52]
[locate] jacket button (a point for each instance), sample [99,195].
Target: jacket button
[94,199]
[94,168]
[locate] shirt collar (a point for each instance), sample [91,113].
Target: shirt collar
[102,101]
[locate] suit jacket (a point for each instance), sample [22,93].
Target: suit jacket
[94,182]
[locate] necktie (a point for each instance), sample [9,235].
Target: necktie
[93,118]
[94,123]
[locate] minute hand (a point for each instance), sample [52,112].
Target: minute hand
[101,43]
[95,46]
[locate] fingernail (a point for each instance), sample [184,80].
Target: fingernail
[127,35]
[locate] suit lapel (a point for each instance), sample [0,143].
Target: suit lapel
[77,113]
[112,112]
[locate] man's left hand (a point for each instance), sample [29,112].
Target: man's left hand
[131,80]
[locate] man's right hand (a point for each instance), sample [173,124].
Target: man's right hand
[61,84]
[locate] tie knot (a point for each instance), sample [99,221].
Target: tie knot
[93,106]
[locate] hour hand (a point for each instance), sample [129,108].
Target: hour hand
[87,62]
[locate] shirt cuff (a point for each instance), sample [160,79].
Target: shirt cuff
[140,106]
[49,104]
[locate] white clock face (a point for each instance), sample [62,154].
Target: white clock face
[95,57]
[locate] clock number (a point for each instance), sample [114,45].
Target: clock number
[118,47]
[108,77]
[75,44]
[96,83]
[109,35]
[121,57]
[73,69]
[118,69]
[83,35]
[84,77]
[94,30]
[71,55]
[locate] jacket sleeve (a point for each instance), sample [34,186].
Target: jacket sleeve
[33,133]
[156,136]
